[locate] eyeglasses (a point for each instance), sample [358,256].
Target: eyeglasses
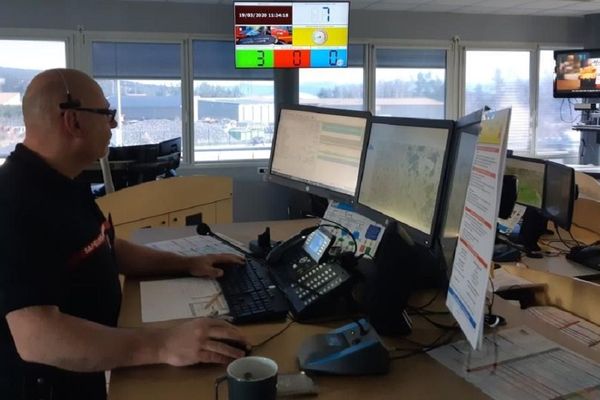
[109,112]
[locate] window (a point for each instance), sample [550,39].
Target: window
[143,82]
[233,110]
[335,87]
[554,136]
[410,83]
[20,61]
[500,79]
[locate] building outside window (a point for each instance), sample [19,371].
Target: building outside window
[233,109]
[143,82]
[335,87]
[499,79]
[410,83]
[20,61]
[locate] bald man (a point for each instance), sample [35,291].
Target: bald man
[59,287]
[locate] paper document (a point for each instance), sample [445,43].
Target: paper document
[475,247]
[520,364]
[181,298]
[579,329]
[185,297]
[194,245]
[504,280]
[366,232]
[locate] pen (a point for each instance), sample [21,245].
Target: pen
[212,301]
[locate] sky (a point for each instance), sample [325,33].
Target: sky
[36,55]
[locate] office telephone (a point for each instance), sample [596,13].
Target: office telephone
[304,271]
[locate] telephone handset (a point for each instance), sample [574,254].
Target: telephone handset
[279,251]
[305,273]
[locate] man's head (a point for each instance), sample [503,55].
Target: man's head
[67,120]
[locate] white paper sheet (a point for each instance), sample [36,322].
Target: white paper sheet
[470,272]
[523,366]
[194,245]
[179,298]
[366,232]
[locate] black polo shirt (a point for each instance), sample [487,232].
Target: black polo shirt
[55,249]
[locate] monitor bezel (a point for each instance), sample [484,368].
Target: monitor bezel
[275,2]
[572,195]
[417,236]
[313,187]
[469,124]
[570,95]
[537,161]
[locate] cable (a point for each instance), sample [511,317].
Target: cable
[435,296]
[274,336]
[433,345]
[575,240]
[560,237]
[337,224]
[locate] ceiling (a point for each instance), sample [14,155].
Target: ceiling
[569,8]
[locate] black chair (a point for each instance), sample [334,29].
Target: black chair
[131,165]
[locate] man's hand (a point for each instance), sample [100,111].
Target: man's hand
[196,342]
[206,266]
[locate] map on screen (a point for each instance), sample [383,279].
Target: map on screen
[402,173]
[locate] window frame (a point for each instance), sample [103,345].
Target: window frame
[44,35]
[449,103]
[190,117]
[534,76]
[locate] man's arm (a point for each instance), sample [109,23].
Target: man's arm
[137,260]
[44,335]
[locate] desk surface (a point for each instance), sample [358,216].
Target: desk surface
[411,378]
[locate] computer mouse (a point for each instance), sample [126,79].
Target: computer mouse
[584,252]
[235,343]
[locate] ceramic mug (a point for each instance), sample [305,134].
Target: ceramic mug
[250,378]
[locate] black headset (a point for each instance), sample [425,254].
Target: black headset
[70,103]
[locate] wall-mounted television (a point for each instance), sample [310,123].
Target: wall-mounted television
[291,34]
[577,73]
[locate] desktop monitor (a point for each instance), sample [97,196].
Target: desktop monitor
[291,34]
[403,171]
[577,73]
[530,173]
[560,194]
[465,136]
[319,150]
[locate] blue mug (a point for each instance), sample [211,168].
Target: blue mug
[250,378]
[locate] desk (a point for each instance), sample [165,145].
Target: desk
[417,377]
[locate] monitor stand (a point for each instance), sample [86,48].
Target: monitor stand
[533,226]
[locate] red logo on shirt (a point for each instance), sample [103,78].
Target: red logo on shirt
[90,248]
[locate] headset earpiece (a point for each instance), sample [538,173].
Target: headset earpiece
[70,103]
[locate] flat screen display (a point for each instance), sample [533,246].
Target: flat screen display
[319,148]
[291,34]
[577,73]
[560,194]
[530,175]
[404,169]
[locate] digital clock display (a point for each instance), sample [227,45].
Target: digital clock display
[291,35]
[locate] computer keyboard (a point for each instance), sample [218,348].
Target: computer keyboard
[251,295]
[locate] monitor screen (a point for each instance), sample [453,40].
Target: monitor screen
[319,150]
[403,170]
[291,34]
[530,173]
[459,168]
[560,194]
[577,73]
